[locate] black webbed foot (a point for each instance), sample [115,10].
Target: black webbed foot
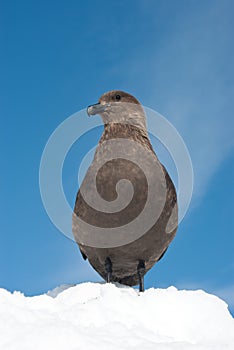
[141,272]
[108,268]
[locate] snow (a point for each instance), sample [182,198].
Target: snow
[110,316]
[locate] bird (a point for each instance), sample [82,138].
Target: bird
[124,153]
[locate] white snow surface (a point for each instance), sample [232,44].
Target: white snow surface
[110,316]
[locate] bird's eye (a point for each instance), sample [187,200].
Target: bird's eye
[117,97]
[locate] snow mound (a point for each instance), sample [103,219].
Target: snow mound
[110,316]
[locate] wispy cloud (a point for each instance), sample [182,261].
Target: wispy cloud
[191,84]
[227,294]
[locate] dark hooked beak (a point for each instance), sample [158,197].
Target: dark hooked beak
[97,108]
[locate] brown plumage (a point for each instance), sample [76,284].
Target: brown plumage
[124,119]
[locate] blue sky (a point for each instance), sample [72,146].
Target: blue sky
[58,57]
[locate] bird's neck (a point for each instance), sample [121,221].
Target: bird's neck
[118,130]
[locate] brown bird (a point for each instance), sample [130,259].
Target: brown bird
[126,212]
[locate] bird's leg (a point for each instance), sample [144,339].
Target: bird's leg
[108,268]
[141,272]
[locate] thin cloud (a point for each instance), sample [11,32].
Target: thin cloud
[227,294]
[190,84]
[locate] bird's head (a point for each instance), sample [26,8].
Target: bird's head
[119,107]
